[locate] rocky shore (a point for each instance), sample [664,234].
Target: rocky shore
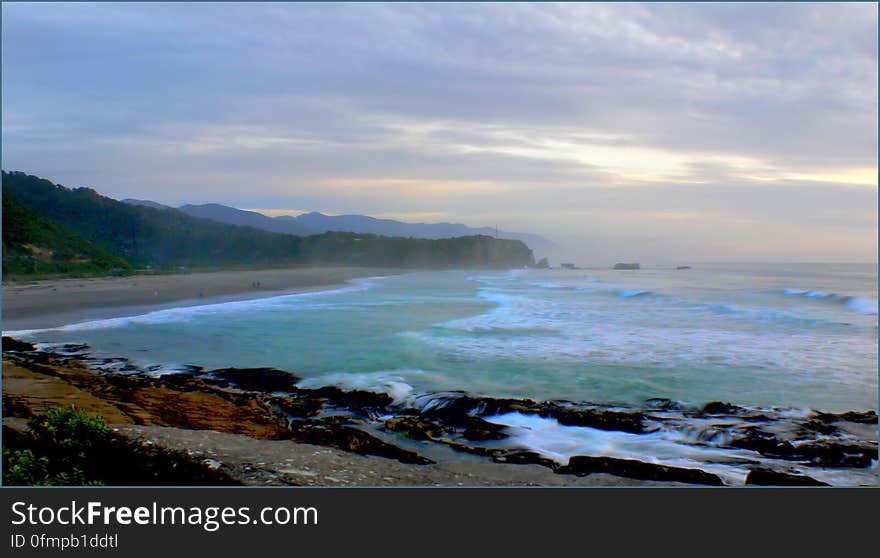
[441,438]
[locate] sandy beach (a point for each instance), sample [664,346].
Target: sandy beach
[50,303]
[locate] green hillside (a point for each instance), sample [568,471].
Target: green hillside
[165,239]
[34,245]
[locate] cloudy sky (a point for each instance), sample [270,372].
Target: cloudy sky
[663,133]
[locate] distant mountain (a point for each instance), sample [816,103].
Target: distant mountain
[146,203]
[317,223]
[242,218]
[169,238]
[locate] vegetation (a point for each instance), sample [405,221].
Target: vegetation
[168,239]
[34,245]
[65,450]
[71,448]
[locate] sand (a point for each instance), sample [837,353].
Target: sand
[51,303]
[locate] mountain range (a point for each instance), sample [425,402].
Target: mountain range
[49,229]
[318,223]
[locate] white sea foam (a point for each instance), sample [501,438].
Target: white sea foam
[674,448]
[185,313]
[392,382]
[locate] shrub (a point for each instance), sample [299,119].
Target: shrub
[67,447]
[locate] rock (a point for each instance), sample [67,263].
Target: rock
[348,438]
[864,417]
[366,403]
[627,266]
[765,443]
[603,419]
[257,379]
[12,344]
[414,427]
[814,426]
[767,477]
[582,465]
[663,404]
[837,454]
[525,458]
[477,429]
[720,408]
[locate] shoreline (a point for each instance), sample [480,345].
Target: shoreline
[52,303]
[454,438]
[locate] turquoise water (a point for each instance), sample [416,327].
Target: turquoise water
[789,335]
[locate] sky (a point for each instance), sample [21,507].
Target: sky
[624,132]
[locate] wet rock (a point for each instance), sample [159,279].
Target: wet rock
[837,454]
[765,443]
[475,450]
[663,404]
[720,408]
[12,344]
[477,429]
[366,403]
[582,465]
[351,439]
[414,427]
[525,458]
[812,427]
[761,476]
[603,419]
[864,417]
[257,379]
[300,407]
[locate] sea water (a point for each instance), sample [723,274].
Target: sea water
[783,335]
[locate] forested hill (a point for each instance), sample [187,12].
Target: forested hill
[145,236]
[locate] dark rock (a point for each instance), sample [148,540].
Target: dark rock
[415,427]
[663,404]
[818,427]
[258,379]
[837,454]
[720,408]
[525,458]
[12,344]
[295,406]
[761,476]
[603,419]
[582,465]
[475,450]
[352,439]
[864,417]
[367,403]
[765,443]
[477,429]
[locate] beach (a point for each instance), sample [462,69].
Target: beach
[50,303]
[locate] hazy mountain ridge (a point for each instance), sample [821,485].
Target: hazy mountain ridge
[143,235]
[317,223]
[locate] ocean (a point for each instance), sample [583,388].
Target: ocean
[791,337]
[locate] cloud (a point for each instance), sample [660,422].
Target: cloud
[529,115]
